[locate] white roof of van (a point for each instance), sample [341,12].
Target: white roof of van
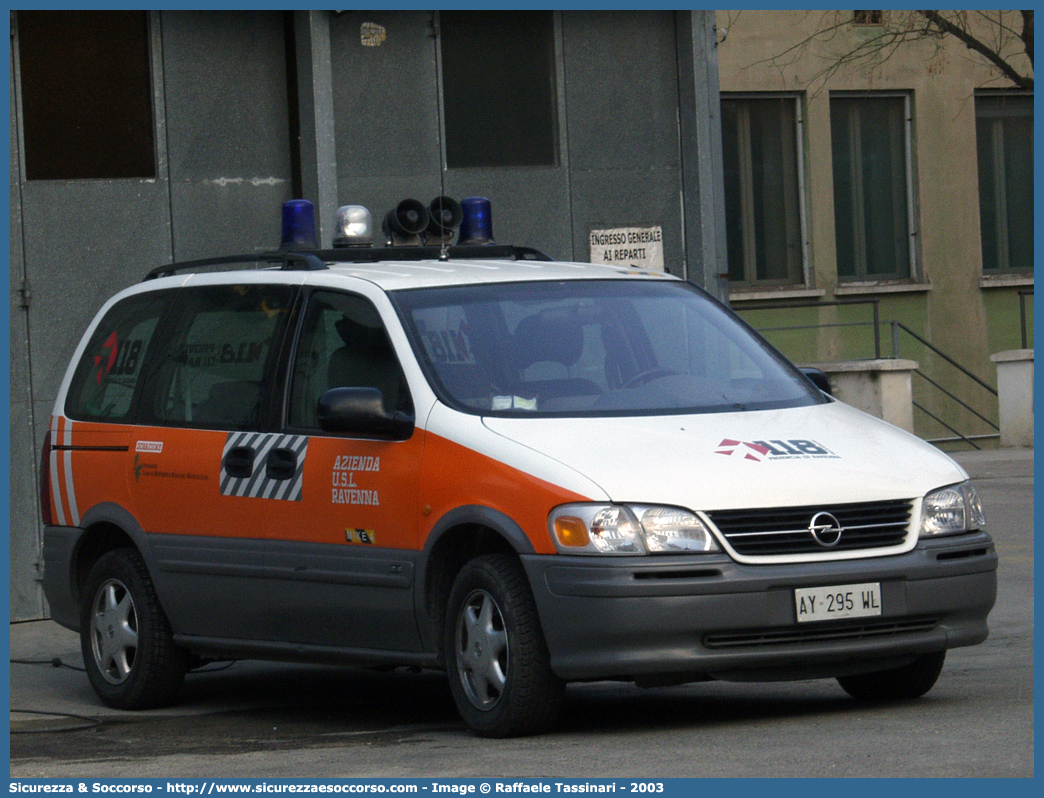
[394,275]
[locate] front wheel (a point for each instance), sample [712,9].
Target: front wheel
[907,682]
[496,658]
[126,640]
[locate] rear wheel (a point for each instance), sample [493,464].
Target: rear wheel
[127,644]
[896,684]
[496,658]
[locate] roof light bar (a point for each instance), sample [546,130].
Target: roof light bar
[353,226]
[444,218]
[476,226]
[405,222]
[299,225]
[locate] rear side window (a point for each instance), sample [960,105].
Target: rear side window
[108,375]
[215,359]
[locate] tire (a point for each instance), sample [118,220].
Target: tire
[896,684]
[126,640]
[496,658]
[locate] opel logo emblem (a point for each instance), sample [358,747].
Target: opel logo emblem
[825,529]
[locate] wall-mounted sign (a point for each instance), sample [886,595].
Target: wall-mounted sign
[372,35]
[640,247]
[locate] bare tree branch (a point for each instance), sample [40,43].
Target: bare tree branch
[973,43]
[990,34]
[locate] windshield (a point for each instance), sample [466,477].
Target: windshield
[593,347]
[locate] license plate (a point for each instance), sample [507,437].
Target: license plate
[838,601]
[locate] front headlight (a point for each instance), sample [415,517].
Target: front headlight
[952,510]
[628,529]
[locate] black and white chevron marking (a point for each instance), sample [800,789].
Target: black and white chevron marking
[259,485]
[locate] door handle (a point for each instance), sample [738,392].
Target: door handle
[239,462]
[281,464]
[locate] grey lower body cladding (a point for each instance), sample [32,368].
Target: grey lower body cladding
[707,616]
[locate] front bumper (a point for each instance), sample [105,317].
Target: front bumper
[700,616]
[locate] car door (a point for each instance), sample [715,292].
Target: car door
[341,557]
[202,455]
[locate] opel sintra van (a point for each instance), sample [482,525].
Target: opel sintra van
[476,459]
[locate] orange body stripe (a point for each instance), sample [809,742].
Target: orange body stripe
[454,476]
[393,492]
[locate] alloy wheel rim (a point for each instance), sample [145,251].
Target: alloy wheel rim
[482,650]
[114,631]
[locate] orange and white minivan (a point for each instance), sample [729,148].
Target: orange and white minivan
[476,459]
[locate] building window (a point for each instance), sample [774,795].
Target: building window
[86,95]
[1004,128]
[868,17]
[873,218]
[762,190]
[498,88]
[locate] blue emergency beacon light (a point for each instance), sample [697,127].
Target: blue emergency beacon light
[299,225]
[476,226]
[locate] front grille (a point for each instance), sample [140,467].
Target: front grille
[785,530]
[865,630]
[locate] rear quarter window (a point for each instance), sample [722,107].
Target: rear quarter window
[108,377]
[217,355]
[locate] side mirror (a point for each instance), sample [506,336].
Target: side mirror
[361,411]
[819,379]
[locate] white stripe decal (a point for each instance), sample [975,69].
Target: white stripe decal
[74,515]
[56,488]
[251,487]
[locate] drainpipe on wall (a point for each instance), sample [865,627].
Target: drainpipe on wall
[318,145]
[703,180]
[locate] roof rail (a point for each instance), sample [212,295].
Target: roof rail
[313,259]
[290,260]
[366,254]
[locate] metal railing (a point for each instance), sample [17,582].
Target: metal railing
[897,328]
[783,305]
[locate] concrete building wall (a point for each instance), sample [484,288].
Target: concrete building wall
[618,138]
[228,130]
[249,111]
[223,169]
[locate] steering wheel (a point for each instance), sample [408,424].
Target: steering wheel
[649,375]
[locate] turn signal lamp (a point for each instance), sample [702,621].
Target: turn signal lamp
[571,531]
[476,224]
[299,225]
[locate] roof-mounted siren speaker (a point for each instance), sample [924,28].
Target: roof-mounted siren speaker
[444,216]
[299,225]
[405,222]
[353,227]
[476,225]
